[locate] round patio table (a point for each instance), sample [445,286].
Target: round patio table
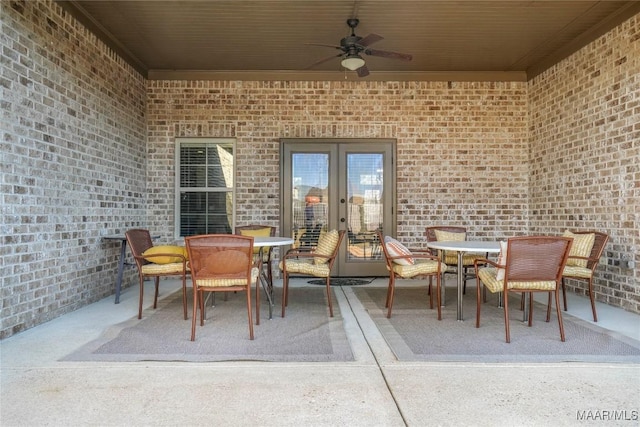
[266,242]
[462,247]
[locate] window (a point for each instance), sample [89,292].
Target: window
[205,189]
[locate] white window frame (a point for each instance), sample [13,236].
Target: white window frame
[179,190]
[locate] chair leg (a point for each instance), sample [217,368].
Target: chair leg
[329,296]
[390,292]
[155,297]
[530,309]
[184,296]
[141,297]
[195,313]
[202,307]
[564,295]
[464,285]
[430,293]
[258,300]
[438,296]
[479,291]
[549,308]
[386,303]
[593,302]
[270,270]
[285,291]
[559,315]
[249,314]
[506,317]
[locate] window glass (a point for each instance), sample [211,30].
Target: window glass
[205,181]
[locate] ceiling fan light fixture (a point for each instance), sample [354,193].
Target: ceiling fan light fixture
[352,62]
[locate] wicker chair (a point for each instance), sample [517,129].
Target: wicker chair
[584,267]
[165,261]
[317,262]
[256,230]
[532,264]
[221,263]
[450,258]
[403,263]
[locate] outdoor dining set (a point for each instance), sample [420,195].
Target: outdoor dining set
[521,265]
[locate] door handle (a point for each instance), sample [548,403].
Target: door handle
[342,220]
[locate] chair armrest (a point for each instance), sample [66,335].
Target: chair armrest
[424,254]
[298,253]
[486,261]
[183,259]
[583,258]
[414,256]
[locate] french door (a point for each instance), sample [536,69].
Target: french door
[344,184]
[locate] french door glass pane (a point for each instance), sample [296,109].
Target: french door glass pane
[365,204]
[310,178]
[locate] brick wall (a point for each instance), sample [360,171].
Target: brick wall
[462,147]
[585,155]
[73,163]
[85,139]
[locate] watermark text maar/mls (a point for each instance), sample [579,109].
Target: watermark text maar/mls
[608,415]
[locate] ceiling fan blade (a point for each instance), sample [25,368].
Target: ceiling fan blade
[388,54]
[324,45]
[370,39]
[322,61]
[363,71]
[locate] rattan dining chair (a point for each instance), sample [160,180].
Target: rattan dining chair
[317,262]
[155,262]
[583,261]
[258,230]
[450,258]
[403,263]
[531,264]
[221,263]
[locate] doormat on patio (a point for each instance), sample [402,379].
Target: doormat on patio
[414,333]
[306,334]
[344,281]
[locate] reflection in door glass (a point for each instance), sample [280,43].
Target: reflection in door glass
[309,197]
[364,211]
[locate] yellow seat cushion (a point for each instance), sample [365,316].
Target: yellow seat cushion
[418,268]
[222,283]
[326,245]
[306,266]
[258,232]
[488,277]
[581,246]
[451,258]
[175,267]
[163,254]
[573,271]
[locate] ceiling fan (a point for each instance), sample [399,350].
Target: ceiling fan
[352,47]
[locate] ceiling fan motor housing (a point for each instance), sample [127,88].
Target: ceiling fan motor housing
[351,43]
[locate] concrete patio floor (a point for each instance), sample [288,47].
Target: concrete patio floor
[373,390]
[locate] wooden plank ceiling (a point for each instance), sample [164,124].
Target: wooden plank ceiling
[270,39]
